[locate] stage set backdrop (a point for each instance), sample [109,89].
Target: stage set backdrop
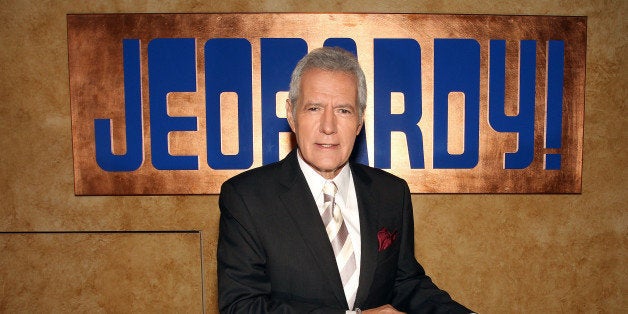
[178,103]
[119,128]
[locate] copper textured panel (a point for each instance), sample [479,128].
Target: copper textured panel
[97,92]
[85,272]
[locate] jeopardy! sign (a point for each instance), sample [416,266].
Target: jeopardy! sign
[178,103]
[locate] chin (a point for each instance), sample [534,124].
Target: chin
[329,167]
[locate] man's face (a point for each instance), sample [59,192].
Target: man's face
[326,121]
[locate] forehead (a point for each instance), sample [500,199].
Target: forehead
[317,82]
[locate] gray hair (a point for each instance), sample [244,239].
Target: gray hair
[330,59]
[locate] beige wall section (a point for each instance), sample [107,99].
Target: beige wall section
[495,253]
[100,272]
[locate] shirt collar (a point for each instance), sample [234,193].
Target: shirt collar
[316,181]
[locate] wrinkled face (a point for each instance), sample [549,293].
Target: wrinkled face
[326,121]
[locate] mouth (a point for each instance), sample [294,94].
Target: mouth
[327,145]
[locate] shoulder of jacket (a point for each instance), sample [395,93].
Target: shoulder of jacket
[256,174]
[376,174]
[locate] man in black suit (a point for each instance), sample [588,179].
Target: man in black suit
[314,233]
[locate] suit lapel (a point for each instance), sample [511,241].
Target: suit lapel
[301,208]
[367,206]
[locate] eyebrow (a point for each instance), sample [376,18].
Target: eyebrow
[342,105]
[316,103]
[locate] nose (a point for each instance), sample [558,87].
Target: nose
[328,122]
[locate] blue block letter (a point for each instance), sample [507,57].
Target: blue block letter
[554,111]
[397,69]
[456,69]
[523,122]
[133,118]
[360,152]
[228,68]
[279,57]
[171,68]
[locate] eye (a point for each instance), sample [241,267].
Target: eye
[344,111]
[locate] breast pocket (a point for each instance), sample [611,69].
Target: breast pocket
[386,271]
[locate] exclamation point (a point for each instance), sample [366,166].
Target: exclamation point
[554,105]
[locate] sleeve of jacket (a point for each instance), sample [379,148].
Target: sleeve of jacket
[414,291]
[243,285]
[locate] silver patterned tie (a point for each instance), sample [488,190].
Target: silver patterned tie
[340,241]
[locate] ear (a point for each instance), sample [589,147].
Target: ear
[360,124]
[289,116]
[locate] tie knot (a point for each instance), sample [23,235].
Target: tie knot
[330,188]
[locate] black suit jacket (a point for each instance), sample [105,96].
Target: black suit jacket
[274,254]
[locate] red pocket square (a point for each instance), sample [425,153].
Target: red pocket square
[386,238]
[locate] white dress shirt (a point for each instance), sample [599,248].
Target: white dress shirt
[345,198]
